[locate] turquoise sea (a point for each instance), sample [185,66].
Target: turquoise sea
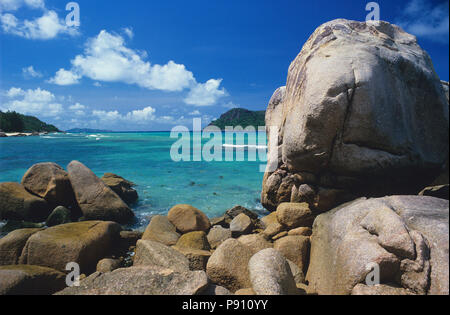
[143,158]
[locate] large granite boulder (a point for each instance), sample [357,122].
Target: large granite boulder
[194,240]
[11,245]
[217,235]
[141,281]
[187,219]
[161,230]
[51,182]
[405,236]
[256,242]
[228,265]
[122,187]
[96,200]
[271,274]
[16,203]
[30,280]
[363,114]
[296,249]
[84,243]
[294,215]
[155,254]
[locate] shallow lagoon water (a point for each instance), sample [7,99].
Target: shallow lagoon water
[143,158]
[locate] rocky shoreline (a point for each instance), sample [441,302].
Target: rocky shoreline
[359,197]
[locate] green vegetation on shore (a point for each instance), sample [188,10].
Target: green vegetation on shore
[15,122]
[240,117]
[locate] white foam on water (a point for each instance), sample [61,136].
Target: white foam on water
[239,146]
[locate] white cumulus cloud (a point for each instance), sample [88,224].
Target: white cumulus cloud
[106,58]
[47,26]
[425,19]
[65,77]
[30,72]
[205,94]
[32,102]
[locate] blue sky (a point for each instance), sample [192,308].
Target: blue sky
[151,65]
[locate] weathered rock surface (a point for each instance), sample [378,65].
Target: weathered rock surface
[363,111]
[141,281]
[362,289]
[198,259]
[404,235]
[30,280]
[294,248]
[61,215]
[18,204]
[237,210]
[188,219]
[51,182]
[302,231]
[213,289]
[11,246]
[217,235]
[270,274]
[194,240]
[228,265]
[269,219]
[161,230]
[122,187]
[299,275]
[294,215]
[241,225]
[255,242]
[108,265]
[84,243]
[96,200]
[155,254]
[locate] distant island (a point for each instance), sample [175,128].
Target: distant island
[240,117]
[80,130]
[15,122]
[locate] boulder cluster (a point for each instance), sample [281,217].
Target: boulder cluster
[49,193]
[357,189]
